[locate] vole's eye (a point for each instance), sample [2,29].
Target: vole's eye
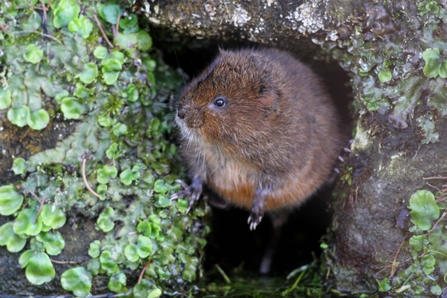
[220,101]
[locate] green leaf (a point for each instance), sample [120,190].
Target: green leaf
[77,280]
[119,129]
[10,200]
[18,116]
[418,242]
[105,120]
[117,283]
[144,246]
[28,222]
[107,262]
[436,290]
[105,220]
[182,205]
[72,108]
[110,77]
[129,22]
[38,120]
[131,93]
[384,285]
[433,62]
[144,228]
[5,98]
[385,75]
[131,252]
[81,26]
[114,151]
[53,217]
[100,52]
[13,242]
[18,166]
[94,249]
[155,293]
[89,73]
[109,12]
[128,176]
[65,11]
[443,69]
[423,209]
[39,269]
[428,262]
[33,54]
[53,242]
[160,186]
[140,40]
[106,173]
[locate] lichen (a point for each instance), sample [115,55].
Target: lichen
[118,163]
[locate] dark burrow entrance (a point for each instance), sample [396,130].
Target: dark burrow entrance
[231,244]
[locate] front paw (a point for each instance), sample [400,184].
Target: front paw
[254,219]
[191,192]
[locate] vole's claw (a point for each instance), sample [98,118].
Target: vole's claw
[191,192]
[253,220]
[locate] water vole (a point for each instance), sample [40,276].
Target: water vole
[259,129]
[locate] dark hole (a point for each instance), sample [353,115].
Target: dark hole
[231,243]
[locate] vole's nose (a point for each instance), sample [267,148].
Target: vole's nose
[181,114]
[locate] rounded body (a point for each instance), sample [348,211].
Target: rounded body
[258,121]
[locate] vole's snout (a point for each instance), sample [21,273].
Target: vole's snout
[181,114]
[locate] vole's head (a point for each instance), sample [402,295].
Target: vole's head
[232,97]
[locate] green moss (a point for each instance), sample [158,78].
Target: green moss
[120,144]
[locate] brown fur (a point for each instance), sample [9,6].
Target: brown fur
[279,128]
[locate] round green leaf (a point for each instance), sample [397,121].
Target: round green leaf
[428,262]
[18,116]
[119,129]
[65,11]
[110,12]
[27,224]
[5,98]
[423,209]
[160,186]
[131,252]
[13,242]
[110,77]
[144,246]
[385,75]
[18,166]
[10,200]
[155,293]
[144,41]
[53,242]
[53,217]
[106,173]
[117,283]
[38,120]
[77,280]
[132,93]
[417,242]
[107,262]
[433,62]
[105,220]
[129,22]
[81,26]
[33,54]
[39,269]
[89,73]
[72,108]
[100,52]
[94,249]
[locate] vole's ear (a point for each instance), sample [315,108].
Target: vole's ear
[270,98]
